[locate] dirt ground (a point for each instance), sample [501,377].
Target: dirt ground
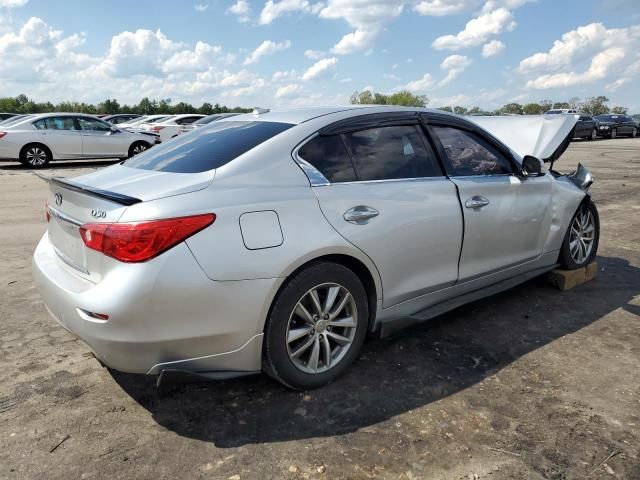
[532,383]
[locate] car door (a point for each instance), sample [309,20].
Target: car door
[100,141]
[584,126]
[382,189]
[507,217]
[61,135]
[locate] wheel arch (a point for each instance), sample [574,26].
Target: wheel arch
[40,144]
[366,273]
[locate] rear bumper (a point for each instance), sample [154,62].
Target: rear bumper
[164,314]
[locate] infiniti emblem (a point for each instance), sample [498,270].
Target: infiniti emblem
[58,198]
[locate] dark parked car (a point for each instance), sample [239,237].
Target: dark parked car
[586,127]
[5,116]
[120,118]
[613,126]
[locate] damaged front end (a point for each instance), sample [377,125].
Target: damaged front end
[581,178]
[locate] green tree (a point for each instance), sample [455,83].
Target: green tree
[595,105]
[446,109]
[109,107]
[474,111]
[510,109]
[619,110]
[459,110]
[532,109]
[545,105]
[561,105]
[403,97]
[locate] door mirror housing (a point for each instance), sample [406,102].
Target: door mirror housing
[531,166]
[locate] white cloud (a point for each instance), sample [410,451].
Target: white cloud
[491,5]
[266,48]
[314,54]
[284,75]
[420,85]
[274,9]
[600,67]
[454,65]
[440,8]
[367,17]
[493,48]
[320,67]
[477,31]
[585,55]
[288,90]
[201,7]
[12,3]
[242,10]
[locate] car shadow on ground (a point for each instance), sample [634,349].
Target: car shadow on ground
[418,366]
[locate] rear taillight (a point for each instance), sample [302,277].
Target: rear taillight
[2,134]
[141,241]
[156,129]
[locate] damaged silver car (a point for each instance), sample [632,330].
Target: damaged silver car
[276,241]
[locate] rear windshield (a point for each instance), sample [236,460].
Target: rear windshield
[208,147]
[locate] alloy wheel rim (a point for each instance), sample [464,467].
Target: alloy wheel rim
[36,156]
[139,149]
[321,328]
[582,235]
[593,134]
[614,133]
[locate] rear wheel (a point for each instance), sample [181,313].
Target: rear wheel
[614,134]
[594,134]
[138,147]
[316,327]
[580,244]
[35,155]
[634,133]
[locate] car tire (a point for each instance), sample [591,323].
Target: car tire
[634,133]
[299,337]
[138,147]
[35,155]
[593,135]
[580,244]
[613,134]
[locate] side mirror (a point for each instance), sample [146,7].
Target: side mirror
[531,166]
[114,129]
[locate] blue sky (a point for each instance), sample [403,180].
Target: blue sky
[282,53]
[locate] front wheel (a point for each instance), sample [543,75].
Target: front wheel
[634,133]
[138,147]
[316,327]
[580,243]
[594,134]
[614,134]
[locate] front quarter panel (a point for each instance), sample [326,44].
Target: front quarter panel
[566,198]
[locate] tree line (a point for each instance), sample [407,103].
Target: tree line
[146,106]
[589,106]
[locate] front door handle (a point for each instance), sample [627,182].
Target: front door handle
[477,201]
[360,215]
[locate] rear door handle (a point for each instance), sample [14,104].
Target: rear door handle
[360,215]
[477,201]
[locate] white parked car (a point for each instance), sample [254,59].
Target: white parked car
[137,122]
[170,127]
[39,139]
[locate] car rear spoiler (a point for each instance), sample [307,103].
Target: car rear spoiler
[94,192]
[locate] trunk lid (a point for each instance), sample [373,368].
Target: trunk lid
[543,136]
[102,197]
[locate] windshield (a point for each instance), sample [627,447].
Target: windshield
[207,148]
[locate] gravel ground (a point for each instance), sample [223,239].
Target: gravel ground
[533,383]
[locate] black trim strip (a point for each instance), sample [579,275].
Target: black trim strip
[370,120]
[96,192]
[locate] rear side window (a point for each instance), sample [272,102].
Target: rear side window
[55,123]
[329,156]
[208,147]
[390,153]
[468,154]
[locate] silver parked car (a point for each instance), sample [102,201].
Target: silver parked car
[275,241]
[36,140]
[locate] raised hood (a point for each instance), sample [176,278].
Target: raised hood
[543,136]
[144,185]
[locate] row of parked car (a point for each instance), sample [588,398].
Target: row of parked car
[37,139]
[608,126]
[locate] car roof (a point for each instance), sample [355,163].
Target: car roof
[301,115]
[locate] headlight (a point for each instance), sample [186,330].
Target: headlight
[604,127]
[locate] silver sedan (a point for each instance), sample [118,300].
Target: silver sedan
[276,241]
[36,140]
